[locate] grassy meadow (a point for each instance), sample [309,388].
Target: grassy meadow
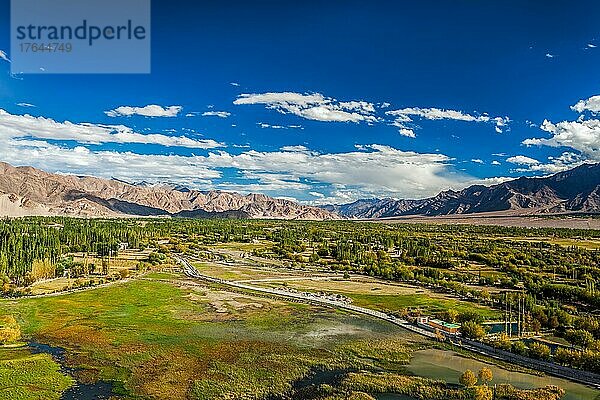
[158,339]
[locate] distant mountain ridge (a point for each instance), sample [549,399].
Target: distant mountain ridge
[28,191]
[575,190]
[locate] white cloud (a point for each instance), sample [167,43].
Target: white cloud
[407,132]
[565,161]
[592,104]
[371,170]
[501,123]
[522,160]
[4,56]
[27,105]
[27,126]
[317,194]
[436,114]
[591,46]
[375,170]
[548,55]
[360,106]
[313,106]
[404,116]
[151,110]
[220,114]
[234,84]
[298,148]
[265,125]
[477,161]
[495,162]
[127,166]
[583,136]
[403,129]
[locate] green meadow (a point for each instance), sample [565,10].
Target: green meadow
[155,339]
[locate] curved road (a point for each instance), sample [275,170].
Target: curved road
[305,297]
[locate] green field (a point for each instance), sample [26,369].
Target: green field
[157,339]
[427,304]
[25,376]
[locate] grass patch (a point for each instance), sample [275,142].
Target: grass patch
[25,376]
[165,340]
[429,305]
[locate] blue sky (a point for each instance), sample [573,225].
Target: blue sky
[325,102]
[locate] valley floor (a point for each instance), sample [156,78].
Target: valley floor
[503,219]
[166,336]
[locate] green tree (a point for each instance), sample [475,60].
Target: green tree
[579,337]
[539,350]
[472,330]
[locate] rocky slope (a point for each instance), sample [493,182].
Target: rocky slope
[29,191]
[575,190]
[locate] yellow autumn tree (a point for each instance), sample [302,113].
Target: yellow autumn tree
[42,270]
[485,375]
[10,331]
[468,379]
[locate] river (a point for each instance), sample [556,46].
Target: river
[80,391]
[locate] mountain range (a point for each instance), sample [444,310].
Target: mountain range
[573,191]
[29,191]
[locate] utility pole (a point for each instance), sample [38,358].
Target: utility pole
[505,312]
[519,315]
[510,318]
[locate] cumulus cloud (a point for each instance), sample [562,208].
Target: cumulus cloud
[565,161]
[496,162]
[592,104]
[501,123]
[313,106]
[220,114]
[407,132]
[27,126]
[374,170]
[522,160]
[477,161]
[151,110]
[124,165]
[583,136]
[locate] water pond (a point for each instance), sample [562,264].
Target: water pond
[448,366]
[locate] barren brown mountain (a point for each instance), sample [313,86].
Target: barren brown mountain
[574,191]
[29,191]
